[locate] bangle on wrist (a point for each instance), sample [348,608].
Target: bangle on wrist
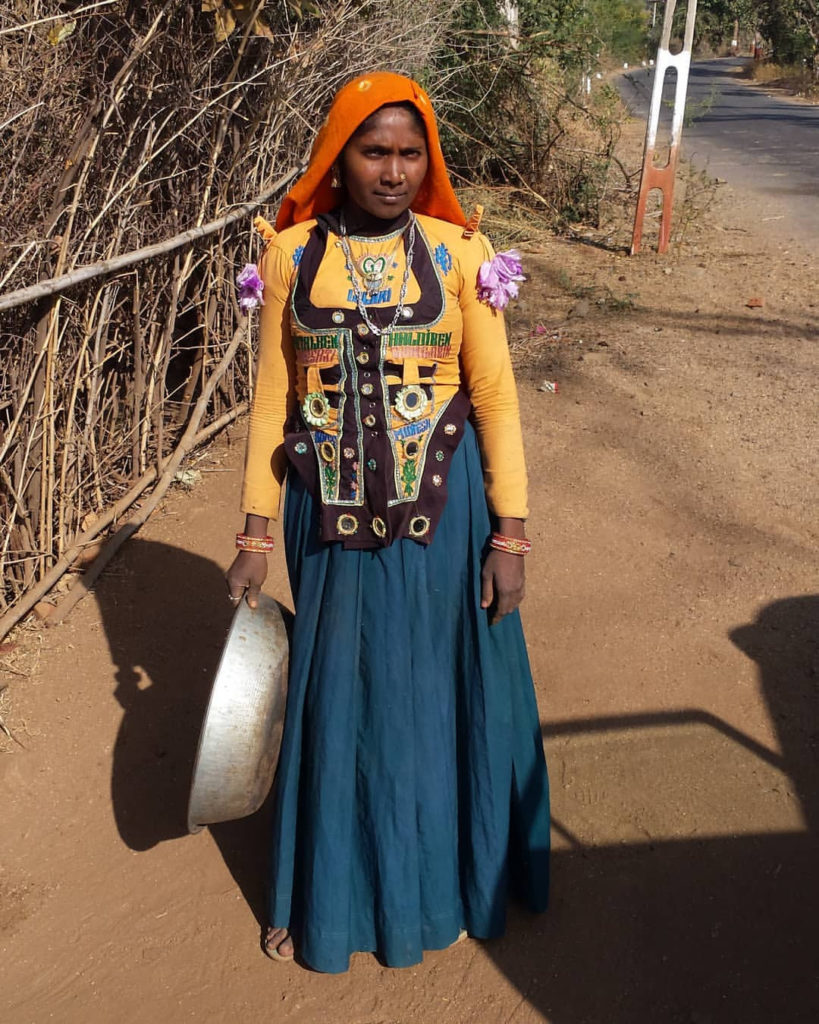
[245,543]
[512,545]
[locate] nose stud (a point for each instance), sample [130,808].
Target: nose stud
[402,176]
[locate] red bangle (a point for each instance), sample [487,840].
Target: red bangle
[245,543]
[513,545]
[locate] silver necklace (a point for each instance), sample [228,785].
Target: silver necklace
[359,295]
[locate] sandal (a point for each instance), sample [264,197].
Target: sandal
[272,941]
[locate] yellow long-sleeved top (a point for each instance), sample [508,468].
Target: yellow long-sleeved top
[371,422]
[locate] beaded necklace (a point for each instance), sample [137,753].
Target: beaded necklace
[359,295]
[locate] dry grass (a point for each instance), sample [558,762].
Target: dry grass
[798,80]
[508,217]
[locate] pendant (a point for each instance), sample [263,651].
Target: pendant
[372,270]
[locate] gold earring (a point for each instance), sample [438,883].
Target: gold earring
[335,180]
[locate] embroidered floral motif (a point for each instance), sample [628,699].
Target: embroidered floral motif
[409,472]
[298,252]
[443,257]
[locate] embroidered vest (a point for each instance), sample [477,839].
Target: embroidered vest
[379,417]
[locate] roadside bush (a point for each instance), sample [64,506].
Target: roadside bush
[524,109]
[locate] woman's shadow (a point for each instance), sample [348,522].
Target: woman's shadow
[166,617]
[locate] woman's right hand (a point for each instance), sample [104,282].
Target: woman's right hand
[246,576]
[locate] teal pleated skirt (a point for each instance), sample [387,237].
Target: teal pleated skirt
[411,793]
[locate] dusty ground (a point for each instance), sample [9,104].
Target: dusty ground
[672,622]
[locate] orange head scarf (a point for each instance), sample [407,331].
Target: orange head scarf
[354,103]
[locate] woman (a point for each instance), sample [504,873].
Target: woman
[411,788]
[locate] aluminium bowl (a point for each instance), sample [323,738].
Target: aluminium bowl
[242,730]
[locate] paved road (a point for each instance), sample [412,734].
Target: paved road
[749,138]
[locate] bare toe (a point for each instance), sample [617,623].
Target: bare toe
[278,944]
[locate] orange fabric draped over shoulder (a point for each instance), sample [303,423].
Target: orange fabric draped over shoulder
[354,103]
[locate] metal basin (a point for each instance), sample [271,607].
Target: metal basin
[242,731]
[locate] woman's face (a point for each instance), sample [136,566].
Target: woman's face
[383,167]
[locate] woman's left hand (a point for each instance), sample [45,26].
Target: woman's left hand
[502,583]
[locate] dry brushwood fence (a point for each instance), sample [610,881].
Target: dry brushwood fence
[138,137]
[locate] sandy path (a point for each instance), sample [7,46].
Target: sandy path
[672,622]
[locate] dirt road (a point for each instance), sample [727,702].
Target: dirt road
[672,621]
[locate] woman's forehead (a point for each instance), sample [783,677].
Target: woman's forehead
[390,121]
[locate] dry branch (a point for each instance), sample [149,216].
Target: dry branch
[89,536]
[113,544]
[56,17]
[129,259]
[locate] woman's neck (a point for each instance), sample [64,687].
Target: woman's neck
[359,222]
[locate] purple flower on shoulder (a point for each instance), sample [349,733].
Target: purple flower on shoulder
[250,287]
[498,279]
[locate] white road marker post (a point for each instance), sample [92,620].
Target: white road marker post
[663,177]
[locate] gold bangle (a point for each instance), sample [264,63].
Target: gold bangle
[245,543]
[512,545]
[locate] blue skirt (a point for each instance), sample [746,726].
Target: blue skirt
[411,792]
